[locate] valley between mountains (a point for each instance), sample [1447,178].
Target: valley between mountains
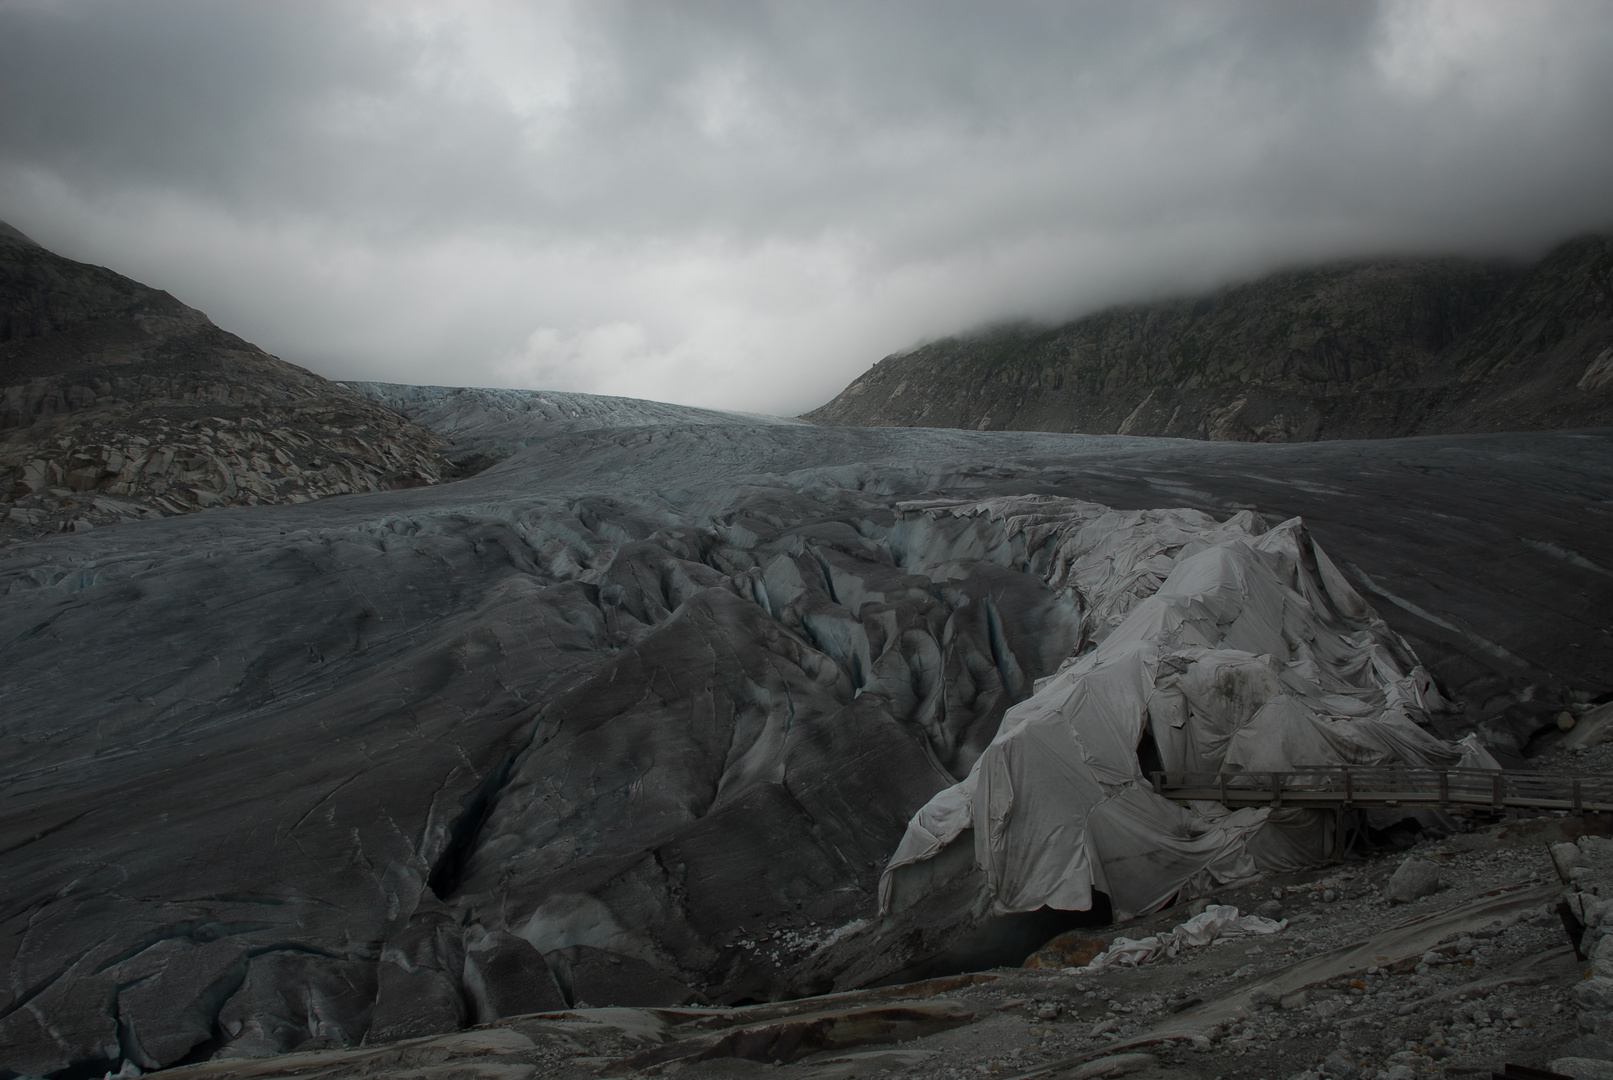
[337,764]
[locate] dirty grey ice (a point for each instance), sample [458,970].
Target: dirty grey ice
[643,714]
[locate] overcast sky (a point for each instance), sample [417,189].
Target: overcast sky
[744,205]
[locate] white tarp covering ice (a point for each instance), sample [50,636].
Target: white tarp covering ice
[1252,654]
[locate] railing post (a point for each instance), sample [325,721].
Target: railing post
[1349,788]
[1579,803]
[1276,789]
[1498,792]
[1444,788]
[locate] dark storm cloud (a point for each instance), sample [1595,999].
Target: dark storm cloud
[745,204]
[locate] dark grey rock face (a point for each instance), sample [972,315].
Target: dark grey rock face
[118,402]
[634,716]
[1375,349]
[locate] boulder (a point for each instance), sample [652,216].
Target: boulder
[1565,856]
[1416,878]
[1594,993]
[1582,1068]
[1265,995]
[1340,1066]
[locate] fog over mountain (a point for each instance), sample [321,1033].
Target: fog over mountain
[746,206]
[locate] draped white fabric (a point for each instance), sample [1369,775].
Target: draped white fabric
[1252,655]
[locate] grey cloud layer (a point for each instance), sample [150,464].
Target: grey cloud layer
[745,204]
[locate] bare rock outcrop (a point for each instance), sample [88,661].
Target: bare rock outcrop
[1358,350]
[118,402]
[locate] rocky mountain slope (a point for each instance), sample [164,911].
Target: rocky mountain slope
[119,402]
[1372,349]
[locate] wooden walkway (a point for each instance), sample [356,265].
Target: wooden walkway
[1391,785]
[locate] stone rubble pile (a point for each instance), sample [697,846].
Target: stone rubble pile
[24,403]
[1461,1006]
[156,467]
[1450,1011]
[1394,1022]
[1587,868]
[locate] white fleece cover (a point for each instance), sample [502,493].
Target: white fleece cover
[1215,923]
[1253,654]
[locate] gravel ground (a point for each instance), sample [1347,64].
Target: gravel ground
[1377,1022]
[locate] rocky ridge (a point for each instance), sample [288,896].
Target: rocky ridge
[118,402]
[1358,350]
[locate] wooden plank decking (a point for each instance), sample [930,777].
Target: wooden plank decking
[1389,785]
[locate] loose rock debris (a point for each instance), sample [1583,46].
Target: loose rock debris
[1451,984]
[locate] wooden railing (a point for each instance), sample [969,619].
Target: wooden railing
[1391,785]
